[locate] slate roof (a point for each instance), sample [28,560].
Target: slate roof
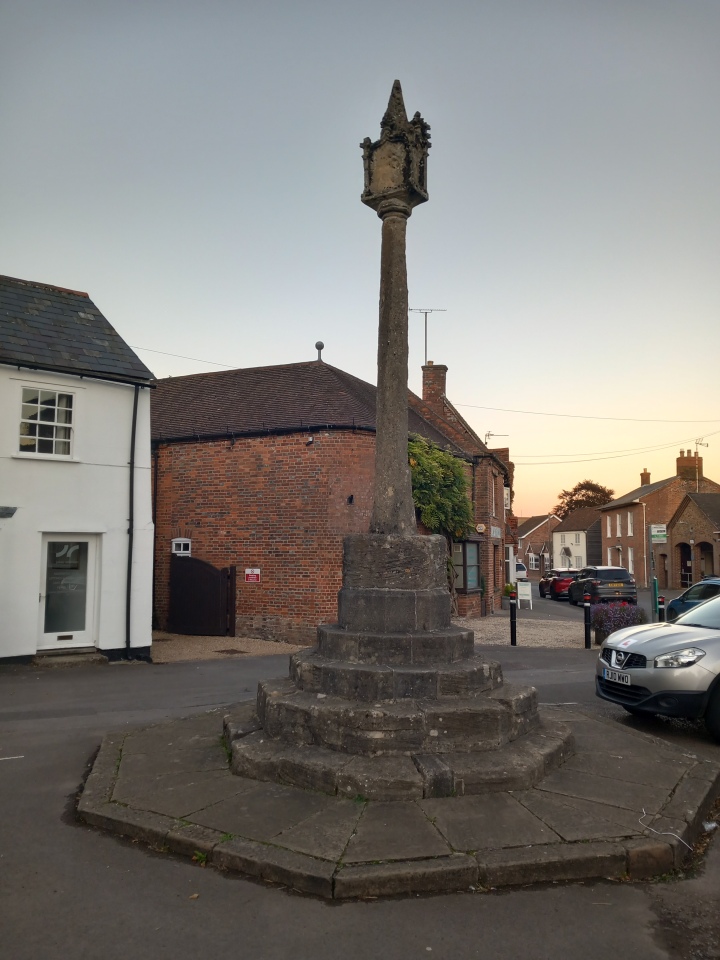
[709,504]
[51,328]
[580,519]
[635,494]
[257,400]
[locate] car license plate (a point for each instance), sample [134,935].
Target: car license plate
[615,585]
[615,676]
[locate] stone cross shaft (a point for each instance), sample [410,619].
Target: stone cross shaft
[395,182]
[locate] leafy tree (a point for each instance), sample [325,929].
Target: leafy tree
[440,489]
[587,493]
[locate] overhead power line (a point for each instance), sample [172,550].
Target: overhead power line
[473,406]
[580,416]
[616,456]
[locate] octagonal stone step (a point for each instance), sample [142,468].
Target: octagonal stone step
[396,727]
[424,646]
[364,681]
[514,766]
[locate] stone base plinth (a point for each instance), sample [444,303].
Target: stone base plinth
[394,702]
[517,765]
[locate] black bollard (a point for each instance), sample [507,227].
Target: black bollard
[586,610]
[661,609]
[513,619]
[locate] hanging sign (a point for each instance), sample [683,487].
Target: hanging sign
[658,533]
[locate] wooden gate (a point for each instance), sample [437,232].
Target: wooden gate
[202,598]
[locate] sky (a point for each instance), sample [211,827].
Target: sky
[195,167]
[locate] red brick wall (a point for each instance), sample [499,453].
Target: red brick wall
[660,505]
[275,503]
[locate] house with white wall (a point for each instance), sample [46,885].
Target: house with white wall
[577,539]
[76,532]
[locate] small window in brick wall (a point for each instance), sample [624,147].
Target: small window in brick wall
[181,547]
[466,562]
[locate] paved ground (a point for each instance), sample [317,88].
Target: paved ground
[73,891]
[620,804]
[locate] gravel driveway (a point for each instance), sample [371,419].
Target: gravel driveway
[173,648]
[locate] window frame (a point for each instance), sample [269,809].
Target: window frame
[463,566]
[55,425]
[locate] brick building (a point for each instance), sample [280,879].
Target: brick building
[627,520]
[535,544]
[490,473]
[267,469]
[693,545]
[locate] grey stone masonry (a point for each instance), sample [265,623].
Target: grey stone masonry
[412,711]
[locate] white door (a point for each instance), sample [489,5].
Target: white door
[67,591]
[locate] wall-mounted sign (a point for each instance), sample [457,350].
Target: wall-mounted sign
[252,575]
[658,533]
[496,533]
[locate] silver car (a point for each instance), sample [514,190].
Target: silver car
[667,668]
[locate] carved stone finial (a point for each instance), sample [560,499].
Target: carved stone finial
[396,164]
[395,120]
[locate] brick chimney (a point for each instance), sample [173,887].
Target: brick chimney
[433,386]
[689,465]
[644,477]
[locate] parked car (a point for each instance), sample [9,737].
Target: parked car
[520,571]
[546,582]
[668,668]
[708,587]
[604,584]
[559,586]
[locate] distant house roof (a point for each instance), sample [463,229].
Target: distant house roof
[709,504]
[257,400]
[532,523]
[50,328]
[636,494]
[581,519]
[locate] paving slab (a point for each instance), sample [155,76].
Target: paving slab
[489,821]
[624,805]
[594,786]
[661,769]
[260,811]
[177,794]
[575,819]
[394,831]
[327,833]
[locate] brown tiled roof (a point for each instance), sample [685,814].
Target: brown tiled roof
[532,523]
[52,328]
[294,396]
[581,519]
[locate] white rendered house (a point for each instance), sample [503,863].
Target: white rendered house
[76,532]
[576,541]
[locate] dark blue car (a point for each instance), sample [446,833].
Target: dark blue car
[697,593]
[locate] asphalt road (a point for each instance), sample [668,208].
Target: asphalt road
[70,891]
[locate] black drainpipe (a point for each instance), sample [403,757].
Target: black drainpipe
[131,523]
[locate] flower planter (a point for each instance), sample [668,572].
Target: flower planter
[600,637]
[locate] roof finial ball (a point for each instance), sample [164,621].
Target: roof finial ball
[319,346]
